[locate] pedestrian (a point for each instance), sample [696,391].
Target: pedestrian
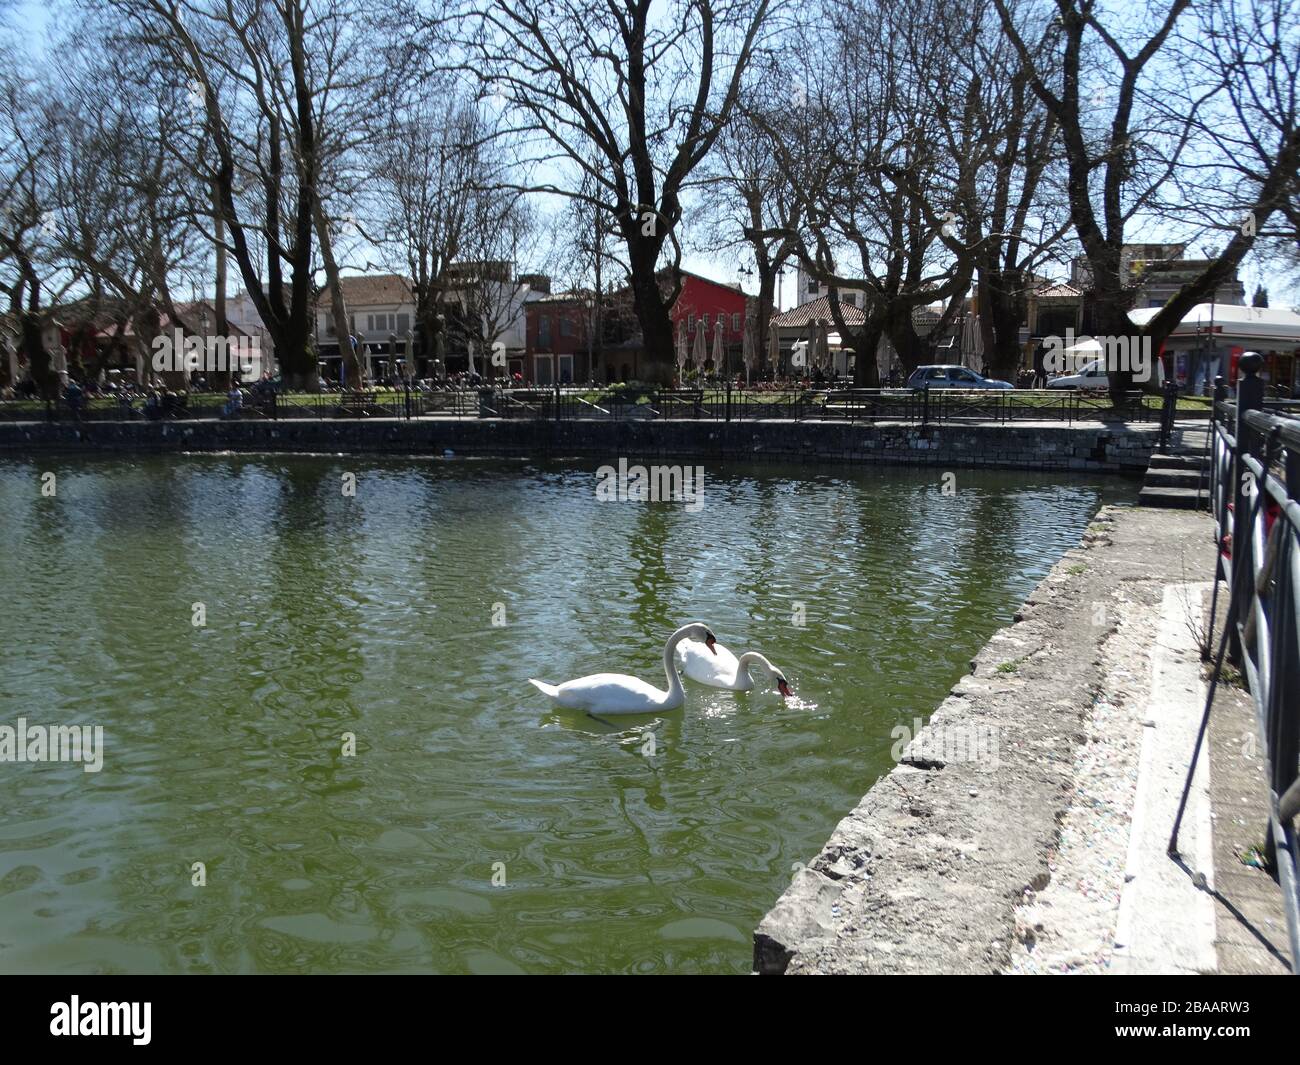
[1040,364]
[75,398]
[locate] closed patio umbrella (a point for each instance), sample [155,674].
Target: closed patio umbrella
[698,352]
[748,353]
[681,349]
[972,342]
[717,346]
[773,349]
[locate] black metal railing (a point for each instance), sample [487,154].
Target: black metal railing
[1255,493]
[912,406]
[923,407]
[253,404]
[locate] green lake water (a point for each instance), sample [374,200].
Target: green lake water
[374,615]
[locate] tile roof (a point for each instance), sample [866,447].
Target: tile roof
[1063,289]
[818,310]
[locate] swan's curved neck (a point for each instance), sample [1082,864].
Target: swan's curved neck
[670,671]
[750,658]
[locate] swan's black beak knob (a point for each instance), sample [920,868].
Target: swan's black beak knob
[783,688]
[709,641]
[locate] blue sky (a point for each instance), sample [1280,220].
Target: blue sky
[32,20]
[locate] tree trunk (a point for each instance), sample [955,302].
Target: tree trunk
[656,325]
[764,311]
[222,324]
[1001,303]
[866,370]
[338,305]
[902,334]
[1110,320]
[38,359]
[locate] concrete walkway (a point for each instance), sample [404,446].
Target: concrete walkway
[1250,927]
[1040,848]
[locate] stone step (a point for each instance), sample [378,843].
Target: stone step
[1179,462]
[1173,498]
[1175,478]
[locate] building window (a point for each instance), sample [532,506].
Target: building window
[544,331]
[403,323]
[690,322]
[706,323]
[735,322]
[566,327]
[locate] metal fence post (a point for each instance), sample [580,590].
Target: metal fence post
[1284,743]
[1167,414]
[1250,396]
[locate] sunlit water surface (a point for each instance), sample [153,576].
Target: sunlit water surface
[374,615]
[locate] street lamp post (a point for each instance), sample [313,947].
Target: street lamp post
[203,328]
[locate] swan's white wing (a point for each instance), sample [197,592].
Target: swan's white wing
[611,693]
[704,667]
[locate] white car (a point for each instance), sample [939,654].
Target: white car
[1091,375]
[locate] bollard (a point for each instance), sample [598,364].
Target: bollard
[1167,413]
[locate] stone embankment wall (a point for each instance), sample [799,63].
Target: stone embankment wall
[1116,447]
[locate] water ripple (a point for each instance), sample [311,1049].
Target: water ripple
[473,830]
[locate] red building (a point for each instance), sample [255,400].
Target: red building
[559,347]
[557,342]
[710,302]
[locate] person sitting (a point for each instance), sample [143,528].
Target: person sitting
[234,403]
[75,398]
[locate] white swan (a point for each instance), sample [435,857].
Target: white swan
[722,669]
[617,693]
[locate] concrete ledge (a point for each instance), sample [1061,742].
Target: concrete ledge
[926,874]
[1096,446]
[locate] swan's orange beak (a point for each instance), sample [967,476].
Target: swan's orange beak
[709,641]
[784,688]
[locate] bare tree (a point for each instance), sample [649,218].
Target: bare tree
[262,73]
[747,201]
[644,89]
[30,269]
[874,191]
[1000,144]
[122,217]
[436,177]
[1132,127]
[487,296]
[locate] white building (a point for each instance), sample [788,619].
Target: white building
[808,288]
